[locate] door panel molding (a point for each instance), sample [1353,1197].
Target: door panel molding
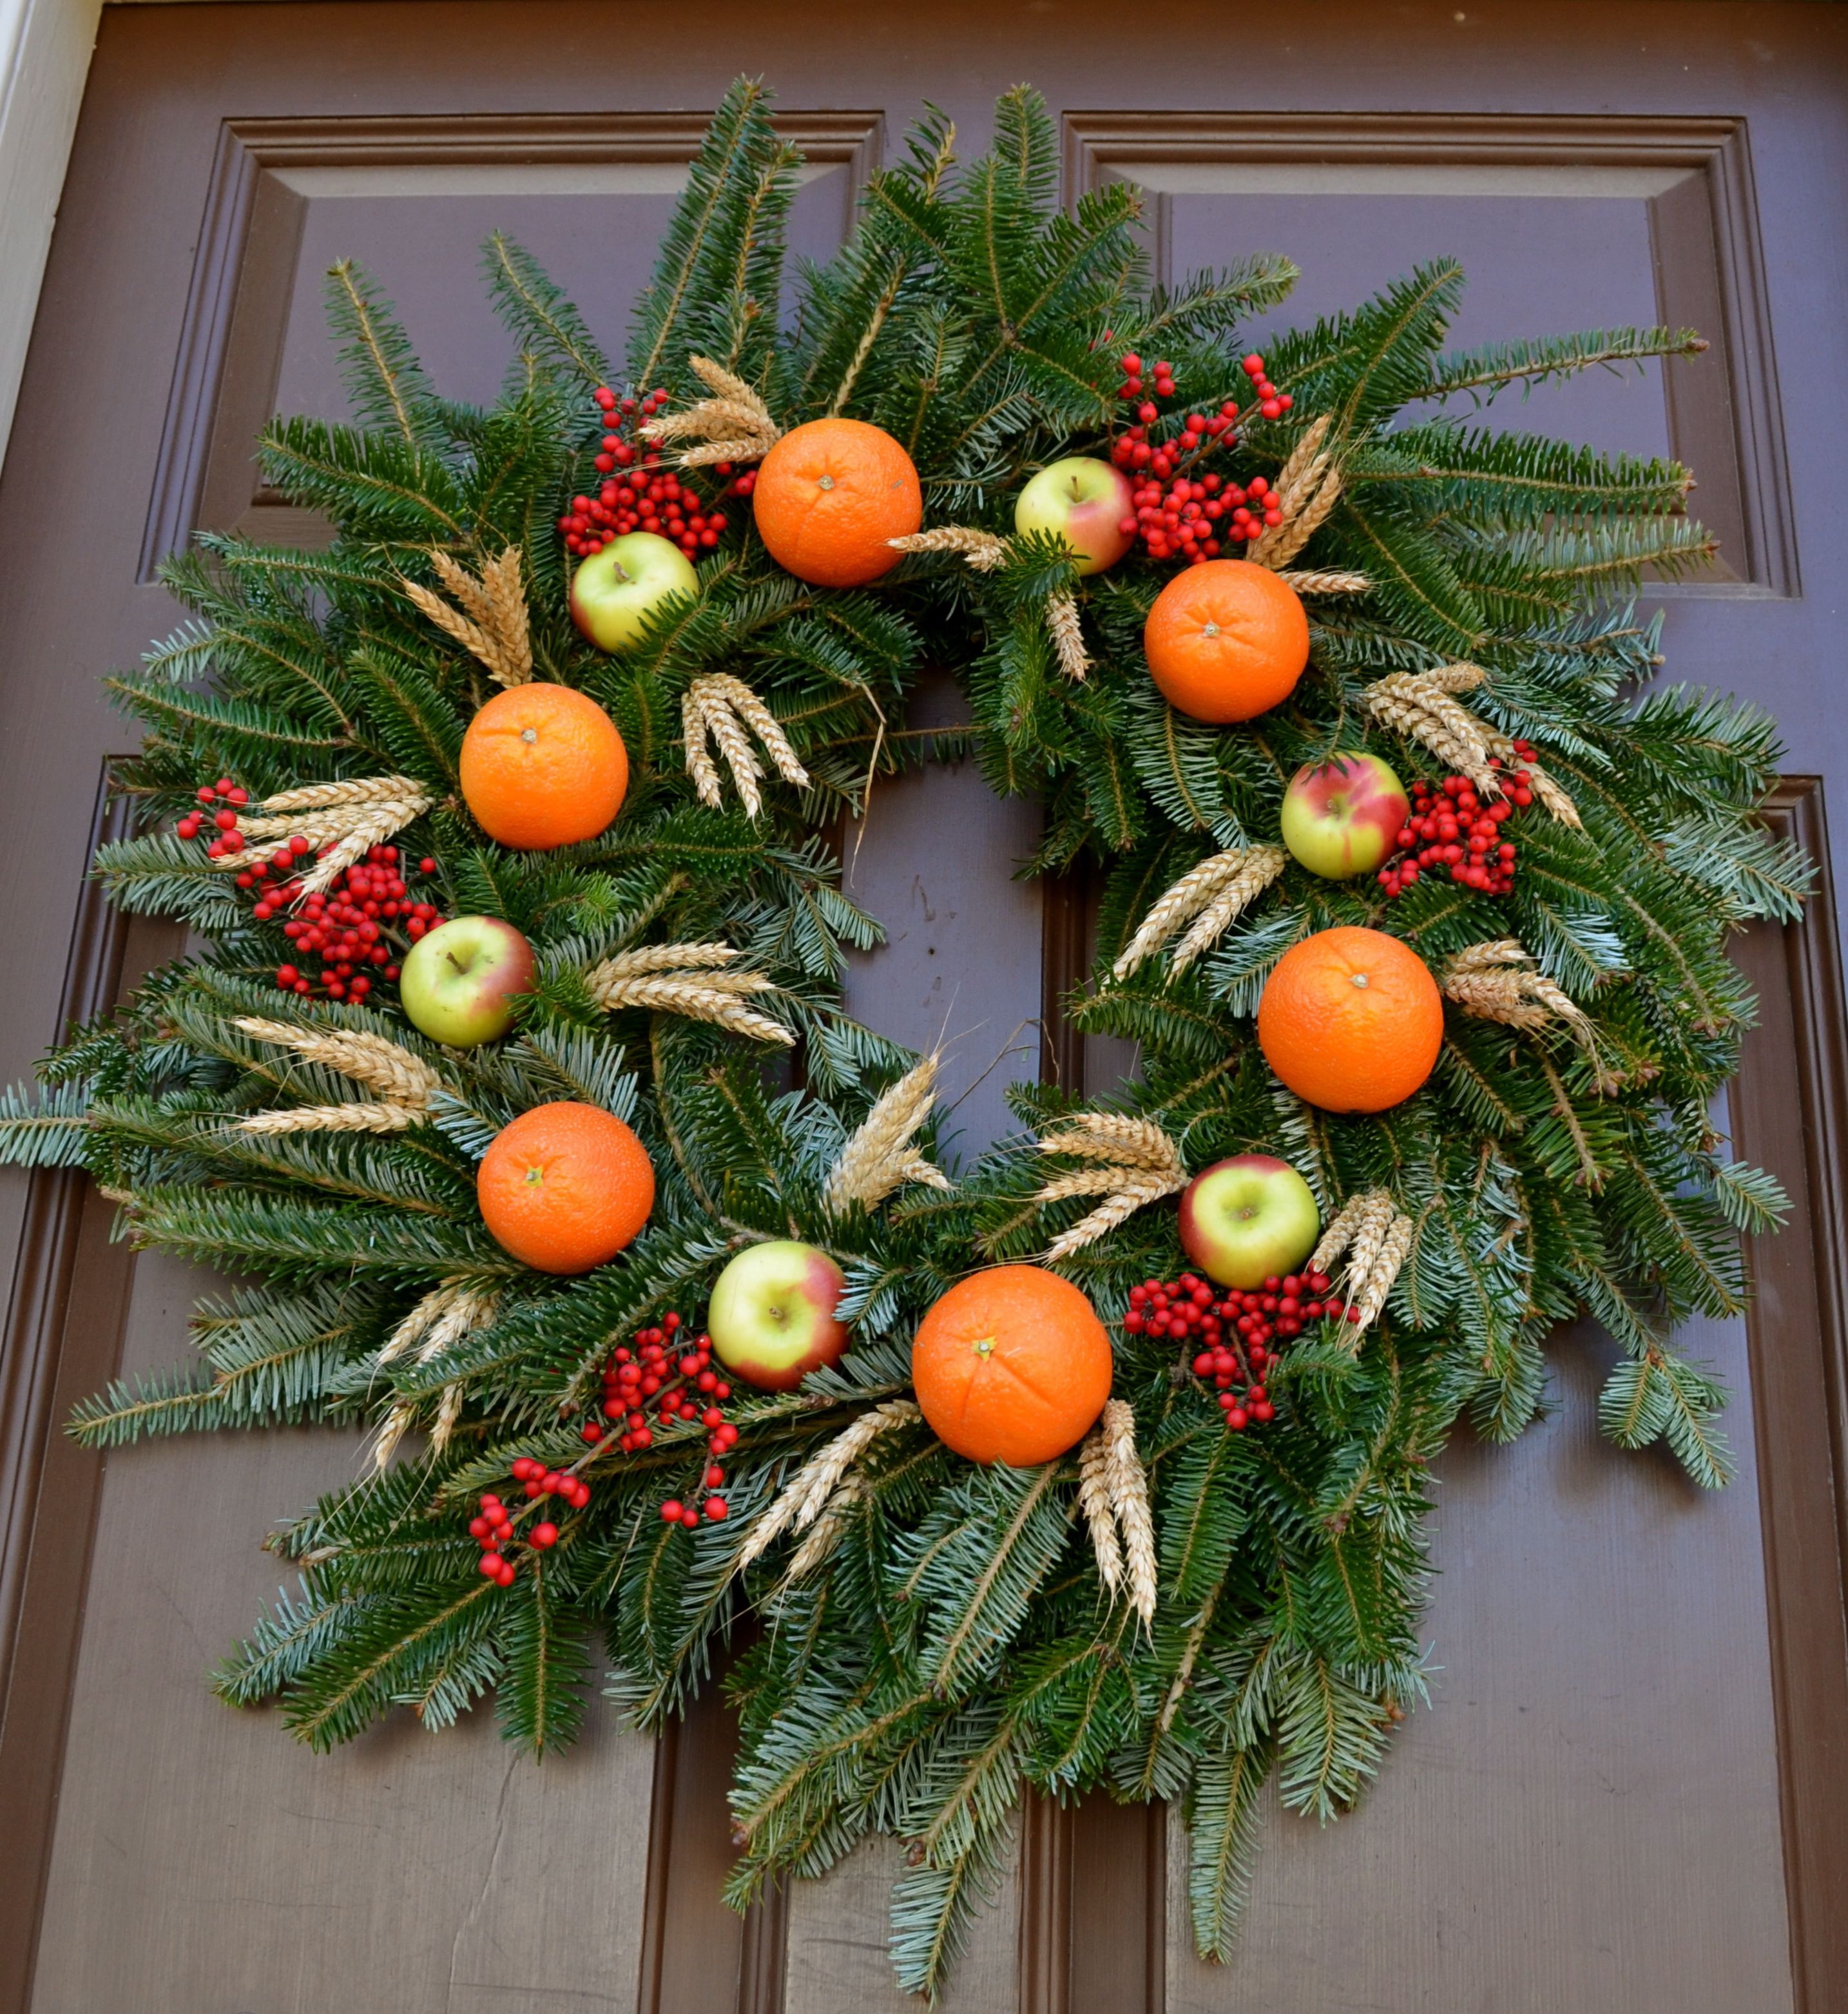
[61,1336]
[265,172]
[1790,1115]
[1693,174]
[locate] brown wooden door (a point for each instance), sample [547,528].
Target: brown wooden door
[1626,1797]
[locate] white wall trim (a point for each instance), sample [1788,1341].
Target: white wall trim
[44,57]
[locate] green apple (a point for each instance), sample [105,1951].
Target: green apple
[459,984]
[616,591]
[772,1314]
[1086,504]
[1244,1220]
[1342,817]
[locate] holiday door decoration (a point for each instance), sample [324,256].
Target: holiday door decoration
[572,698]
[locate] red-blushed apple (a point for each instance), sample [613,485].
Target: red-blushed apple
[459,983]
[1243,1219]
[1084,502]
[772,1314]
[1342,817]
[616,591]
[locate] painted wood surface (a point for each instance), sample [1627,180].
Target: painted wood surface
[1559,1832]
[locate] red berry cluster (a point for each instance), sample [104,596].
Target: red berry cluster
[640,492]
[1181,513]
[682,1386]
[353,923]
[1451,829]
[230,800]
[368,917]
[1235,1336]
[493,1525]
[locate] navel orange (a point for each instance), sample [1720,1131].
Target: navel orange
[1226,640]
[565,1187]
[1011,1365]
[828,496]
[1352,1020]
[542,766]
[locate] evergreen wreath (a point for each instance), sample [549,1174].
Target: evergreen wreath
[1177,1609]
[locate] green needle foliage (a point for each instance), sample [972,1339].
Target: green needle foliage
[955,1641]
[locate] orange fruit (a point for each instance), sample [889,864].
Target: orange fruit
[1226,640]
[1351,1019]
[1011,1365]
[542,766]
[827,497]
[565,1187]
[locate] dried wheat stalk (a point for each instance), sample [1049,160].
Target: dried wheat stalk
[492,624]
[1093,1501]
[1116,1137]
[356,1118]
[915,1168]
[690,988]
[469,1308]
[349,817]
[983,550]
[824,1534]
[444,1314]
[675,957]
[1068,639]
[449,1410]
[1371,1296]
[1129,1501]
[1306,490]
[806,1495]
[378,1064]
[1372,1209]
[406,1084]
[1375,1238]
[1143,1165]
[1325,581]
[1211,895]
[733,425]
[1498,982]
[1422,706]
[718,705]
[711,1001]
[391,1429]
[322,796]
[441,1319]
[879,1157]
